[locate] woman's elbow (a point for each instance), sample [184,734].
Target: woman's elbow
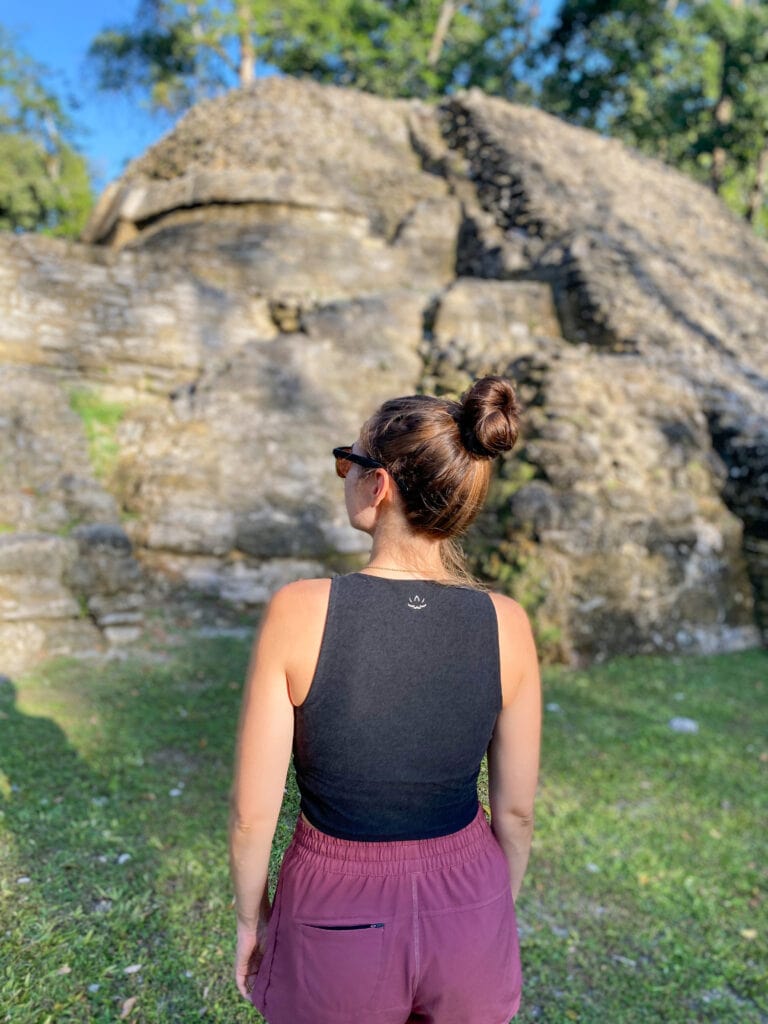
[245,821]
[517,816]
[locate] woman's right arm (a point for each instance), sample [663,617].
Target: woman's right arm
[513,753]
[263,751]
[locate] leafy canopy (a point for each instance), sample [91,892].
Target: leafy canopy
[178,52]
[44,181]
[685,81]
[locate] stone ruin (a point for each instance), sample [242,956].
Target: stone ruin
[289,256]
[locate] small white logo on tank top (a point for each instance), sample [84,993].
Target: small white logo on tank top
[417,603]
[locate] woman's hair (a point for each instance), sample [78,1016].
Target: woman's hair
[440,452]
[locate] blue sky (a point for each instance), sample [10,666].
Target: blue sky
[57,33]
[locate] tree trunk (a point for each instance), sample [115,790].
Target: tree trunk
[246,71]
[757,193]
[444,19]
[723,115]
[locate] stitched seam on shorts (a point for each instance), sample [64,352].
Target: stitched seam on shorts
[416,944]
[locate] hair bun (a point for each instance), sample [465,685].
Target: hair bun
[490,417]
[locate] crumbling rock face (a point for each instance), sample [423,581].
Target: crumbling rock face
[291,255]
[742,443]
[311,190]
[68,579]
[645,264]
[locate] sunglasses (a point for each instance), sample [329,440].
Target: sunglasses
[345,457]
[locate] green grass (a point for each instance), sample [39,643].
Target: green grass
[644,902]
[100,420]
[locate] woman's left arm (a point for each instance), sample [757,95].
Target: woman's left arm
[264,744]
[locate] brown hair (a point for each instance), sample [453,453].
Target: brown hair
[440,452]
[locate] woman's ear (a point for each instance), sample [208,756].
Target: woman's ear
[382,485]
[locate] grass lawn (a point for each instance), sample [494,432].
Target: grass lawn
[646,894]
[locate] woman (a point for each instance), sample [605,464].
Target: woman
[395,900]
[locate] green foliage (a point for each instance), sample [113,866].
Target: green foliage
[516,568]
[40,189]
[176,52]
[100,419]
[687,82]
[44,182]
[385,47]
[644,897]
[513,473]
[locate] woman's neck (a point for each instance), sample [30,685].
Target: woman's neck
[419,557]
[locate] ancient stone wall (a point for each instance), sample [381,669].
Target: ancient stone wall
[291,255]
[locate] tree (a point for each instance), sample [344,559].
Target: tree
[405,47]
[736,137]
[686,81]
[44,181]
[177,52]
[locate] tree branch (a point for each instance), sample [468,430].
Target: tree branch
[247,66]
[444,19]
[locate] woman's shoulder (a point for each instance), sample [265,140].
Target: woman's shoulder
[517,647]
[295,609]
[508,605]
[510,613]
[300,595]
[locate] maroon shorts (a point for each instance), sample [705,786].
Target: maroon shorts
[384,932]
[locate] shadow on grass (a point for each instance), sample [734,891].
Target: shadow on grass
[116,812]
[67,955]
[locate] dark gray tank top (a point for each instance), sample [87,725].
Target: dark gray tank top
[388,743]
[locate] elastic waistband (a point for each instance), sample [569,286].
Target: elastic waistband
[347,857]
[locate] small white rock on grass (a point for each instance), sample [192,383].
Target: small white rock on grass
[680,724]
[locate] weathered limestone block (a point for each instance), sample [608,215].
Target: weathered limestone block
[109,580]
[673,275]
[122,322]
[33,568]
[284,142]
[46,480]
[49,498]
[349,211]
[55,591]
[242,462]
[480,324]
[614,497]
[24,643]
[237,579]
[627,450]
[279,249]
